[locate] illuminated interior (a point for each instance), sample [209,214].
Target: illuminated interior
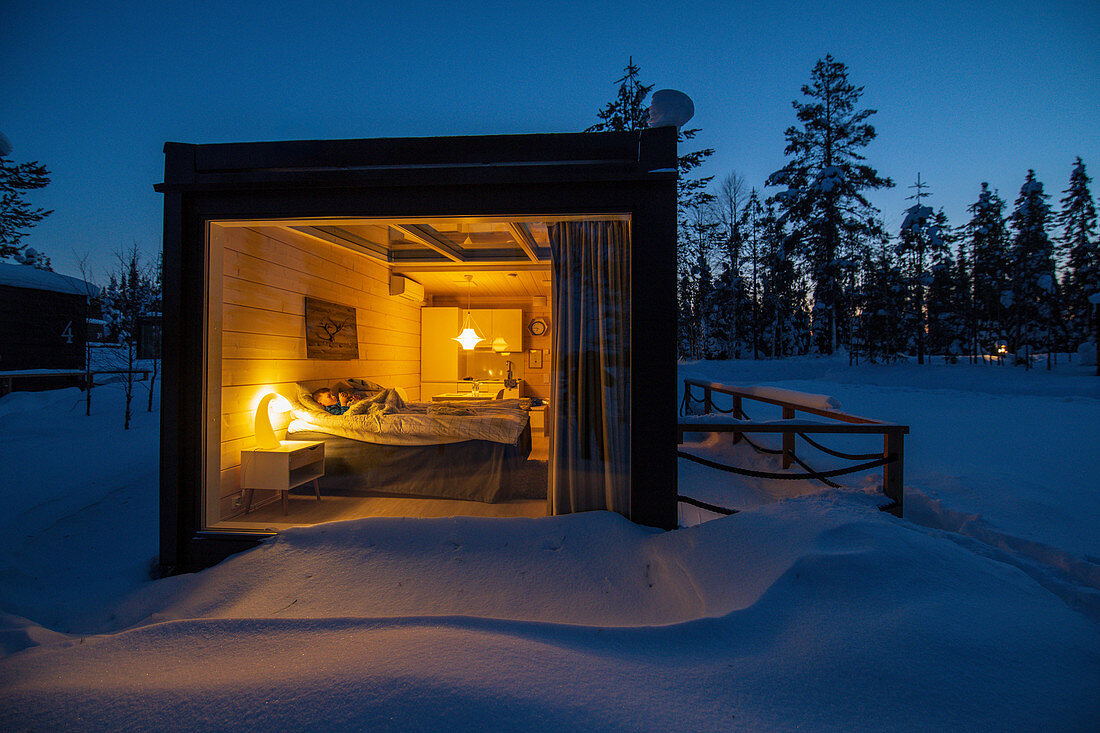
[413,285]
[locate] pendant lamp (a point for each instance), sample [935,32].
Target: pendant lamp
[468,338]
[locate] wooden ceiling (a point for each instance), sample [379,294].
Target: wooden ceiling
[509,257]
[494,284]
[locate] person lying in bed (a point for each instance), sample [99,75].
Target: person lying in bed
[335,404]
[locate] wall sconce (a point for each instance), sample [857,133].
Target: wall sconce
[265,435]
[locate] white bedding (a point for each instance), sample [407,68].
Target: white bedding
[413,424]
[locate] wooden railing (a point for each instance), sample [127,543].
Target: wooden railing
[892,458]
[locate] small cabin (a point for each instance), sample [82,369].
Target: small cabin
[43,331]
[418,327]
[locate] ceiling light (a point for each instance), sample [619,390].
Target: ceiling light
[469,337]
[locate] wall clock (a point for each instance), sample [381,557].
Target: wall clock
[537,326]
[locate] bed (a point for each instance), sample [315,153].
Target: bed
[386,446]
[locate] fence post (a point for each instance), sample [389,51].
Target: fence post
[737,416]
[706,400]
[893,473]
[788,439]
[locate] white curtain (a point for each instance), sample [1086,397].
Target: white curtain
[590,396]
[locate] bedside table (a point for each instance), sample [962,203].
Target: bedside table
[538,419]
[293,463]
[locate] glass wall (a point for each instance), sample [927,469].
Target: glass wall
[369,313]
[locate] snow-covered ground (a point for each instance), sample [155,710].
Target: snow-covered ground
[977,611]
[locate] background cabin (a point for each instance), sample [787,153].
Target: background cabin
[43,331]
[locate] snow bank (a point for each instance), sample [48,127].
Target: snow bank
[814,613]
[810,609]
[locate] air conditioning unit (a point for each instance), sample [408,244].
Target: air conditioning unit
[403,287]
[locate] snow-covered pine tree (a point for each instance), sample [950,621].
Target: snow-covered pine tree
[752,226]
[16,215]
[1080,249]
[685,317]
[964,302]
[630,111]
[1033,283]
[729,292]
[782,299]
[921,243]
[945,321]
[699,242]
[887,328]
[34,258]
[825,178]
[987,239]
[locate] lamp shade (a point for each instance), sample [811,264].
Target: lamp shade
[469,337]
[265,435]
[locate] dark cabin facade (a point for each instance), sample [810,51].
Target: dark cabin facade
[44,325]
[356,264]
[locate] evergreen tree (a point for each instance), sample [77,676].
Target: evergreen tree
[1081,250]
[34,258]
[921,245]
[752,224]
[945,320]
[685,317]
[825,179]
[699,242]
[131,292]
[912,251]
[16,214]
[885,313]
[987,238]
[1033,283]
[731,300]
[964,303]
[783,294]
[629,111]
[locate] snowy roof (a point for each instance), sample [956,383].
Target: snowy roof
[25,276]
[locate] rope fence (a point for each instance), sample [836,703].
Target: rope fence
[891,459]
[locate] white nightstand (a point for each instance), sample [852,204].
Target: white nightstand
[538,419]
[292,464]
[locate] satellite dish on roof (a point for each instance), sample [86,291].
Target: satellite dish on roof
[668,107]
[5,144]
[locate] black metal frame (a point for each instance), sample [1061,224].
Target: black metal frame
[623,173]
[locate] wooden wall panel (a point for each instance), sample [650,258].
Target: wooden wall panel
[267,273]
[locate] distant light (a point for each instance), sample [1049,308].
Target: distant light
[670,108]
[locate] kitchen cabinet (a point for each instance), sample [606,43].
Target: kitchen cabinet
[442,359]
[439,353]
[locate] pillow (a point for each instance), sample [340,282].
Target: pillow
[305,397]
[363,385]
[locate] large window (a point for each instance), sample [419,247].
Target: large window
[370,309]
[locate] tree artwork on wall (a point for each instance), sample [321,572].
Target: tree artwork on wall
[331,331]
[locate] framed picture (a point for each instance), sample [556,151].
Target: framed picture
[331,331]
[534,359]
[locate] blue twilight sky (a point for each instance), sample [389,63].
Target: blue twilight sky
[965,91]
